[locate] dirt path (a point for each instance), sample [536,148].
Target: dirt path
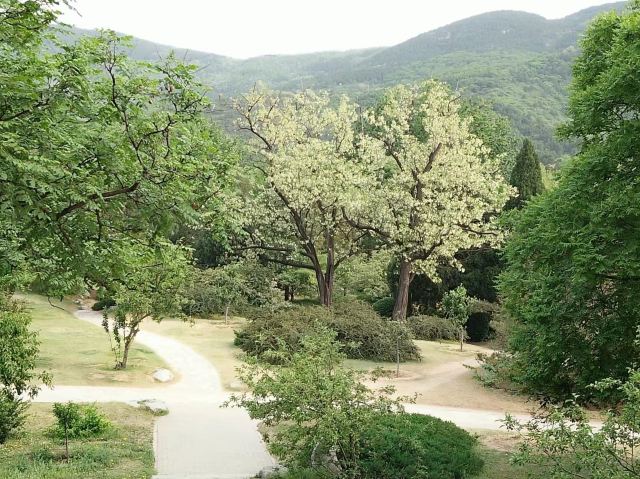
[197,438]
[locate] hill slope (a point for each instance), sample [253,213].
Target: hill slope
[519,61]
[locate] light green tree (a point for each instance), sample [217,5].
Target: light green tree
[304,150]
[456,306]
[434,187]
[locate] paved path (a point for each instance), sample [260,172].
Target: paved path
[198,438]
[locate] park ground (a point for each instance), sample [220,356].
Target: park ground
[78,353]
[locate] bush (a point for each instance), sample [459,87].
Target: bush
[11,415]
[479,323]
[432,328]
[479,326]
[364,334]
[80,420]
[103,304]
[417,446]
[384,307]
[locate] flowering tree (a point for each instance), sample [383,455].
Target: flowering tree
[305,150]
[434,188]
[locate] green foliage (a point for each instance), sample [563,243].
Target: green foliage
[365,278]
[432,328]
[315,408]
[456,306]
[78,421]
[562,441]
[526,175]
[384,306]
[363,334]
[417,446]
[238,285]
[18,353]
[12,414]
[573,259]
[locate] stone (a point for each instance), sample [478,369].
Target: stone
[162,375]
[155,406]
[236,385]
[271,471]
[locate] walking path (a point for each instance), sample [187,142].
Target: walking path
[198,438]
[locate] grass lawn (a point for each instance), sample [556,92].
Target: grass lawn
[442,378]
[212,338]
[78,353]
[125,452]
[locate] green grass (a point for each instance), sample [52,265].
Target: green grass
[78,353]
[125,452]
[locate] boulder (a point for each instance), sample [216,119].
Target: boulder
[162,375]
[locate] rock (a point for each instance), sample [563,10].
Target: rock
[162,375]
[271,471]
[155,406]
[236,385]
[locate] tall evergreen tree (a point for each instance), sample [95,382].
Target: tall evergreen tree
[526,175]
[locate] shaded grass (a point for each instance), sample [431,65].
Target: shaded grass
[124,452]
[78,353]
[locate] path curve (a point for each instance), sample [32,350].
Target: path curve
[198,438]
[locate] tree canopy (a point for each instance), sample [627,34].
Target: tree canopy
[573,261]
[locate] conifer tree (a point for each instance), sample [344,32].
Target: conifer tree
[526,175]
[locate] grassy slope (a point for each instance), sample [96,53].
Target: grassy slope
[126,452]
[78,353]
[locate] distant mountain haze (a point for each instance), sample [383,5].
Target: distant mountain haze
[520,62]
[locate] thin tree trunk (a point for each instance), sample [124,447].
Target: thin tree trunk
[127,345]
[226,314]
[461,337]
[402,296]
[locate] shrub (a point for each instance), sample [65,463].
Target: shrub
[384,306]
[103,304]
[479,326]
[364,334]
[11,415]
[432,328]
[417,446]
[80,421]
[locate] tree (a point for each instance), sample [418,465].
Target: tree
[573,259]
[562,441]
[149,285]
[435,186]
[456,306]
[305,148]
[103,151]
[18,353]
[317,407]
[526,175]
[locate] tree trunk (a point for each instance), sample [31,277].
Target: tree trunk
[325,288]
[287,296]
[127,345]
[226,314]
[291,295]
[461,337]
[402,296]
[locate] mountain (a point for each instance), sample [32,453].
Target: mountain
[518,61]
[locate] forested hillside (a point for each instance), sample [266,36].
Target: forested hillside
[519,61]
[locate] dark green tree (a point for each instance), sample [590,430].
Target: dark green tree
[526,175]
[573,260]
